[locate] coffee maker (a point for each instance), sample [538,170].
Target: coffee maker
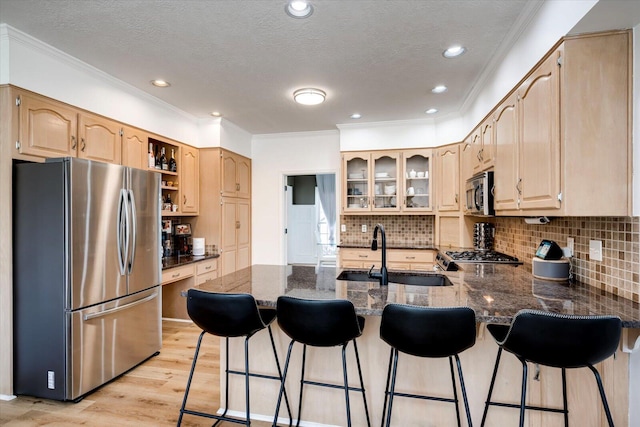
[167,239]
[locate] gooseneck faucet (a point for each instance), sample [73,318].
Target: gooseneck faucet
[382,275]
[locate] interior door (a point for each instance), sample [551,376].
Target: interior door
[301,230]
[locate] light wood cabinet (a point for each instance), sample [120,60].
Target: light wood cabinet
[206,270]
[225,221]
[506,194]
[135,148]
[572,148]
[47,128]
[189,170]
[99,138]
[177,273]
[397,259]
[235,242]
[448,178]
[417,192]
[236,175]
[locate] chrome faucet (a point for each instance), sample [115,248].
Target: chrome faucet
[382,275]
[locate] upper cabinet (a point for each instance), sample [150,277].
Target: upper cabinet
[387,181]
[52,129]
[99,138]
[189,179]
[448,178]
[47,128]
[563,136]
[135,148]
[236,175]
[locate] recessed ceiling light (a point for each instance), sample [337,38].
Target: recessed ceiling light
[160,83]
[431,111]
[439,89]
[453,51]
[356,115]
[309,96]
[216,114]
[298,9]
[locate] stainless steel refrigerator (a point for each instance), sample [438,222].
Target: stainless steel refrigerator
[87,270]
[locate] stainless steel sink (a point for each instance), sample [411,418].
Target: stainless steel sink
[417,279]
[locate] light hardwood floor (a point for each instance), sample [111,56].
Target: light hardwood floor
[148,395]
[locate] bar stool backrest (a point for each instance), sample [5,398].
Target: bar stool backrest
[562,341]
[320,323]
[224,315]
[428,331]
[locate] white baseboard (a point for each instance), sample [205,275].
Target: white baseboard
[171,319]
[281,420]
[7,397]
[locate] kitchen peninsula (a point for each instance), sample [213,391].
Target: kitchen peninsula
[495,292]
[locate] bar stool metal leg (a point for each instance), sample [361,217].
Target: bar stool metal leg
[455,391]
[564,397]
[523,396]
[464,392]
[275,354]
[493,381]
[193,367]
[364,396]
[282,387]
[304,360]
[393,385]
[386,388]
[346,383]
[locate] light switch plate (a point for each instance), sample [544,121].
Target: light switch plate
[343,228]
[570,245]
[364,228]
[595,250]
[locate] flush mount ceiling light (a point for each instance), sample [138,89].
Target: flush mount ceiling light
[298,9]
[439,89]
[216,114]
[356,115]
[160,83]
[454,51]
[309,96]
[431,111]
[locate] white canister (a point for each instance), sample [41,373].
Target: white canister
[198,245]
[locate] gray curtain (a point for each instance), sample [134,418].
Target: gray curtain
[327,191]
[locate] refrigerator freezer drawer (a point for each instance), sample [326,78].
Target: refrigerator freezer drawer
[109,339]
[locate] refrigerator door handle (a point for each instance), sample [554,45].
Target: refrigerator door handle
[119,308]
[132,230]
[121,232]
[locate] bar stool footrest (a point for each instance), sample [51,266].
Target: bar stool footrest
[423,397]
[535,408]
[341,387]
[251,374]
[215,417]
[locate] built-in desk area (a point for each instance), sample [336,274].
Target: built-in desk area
[495,292]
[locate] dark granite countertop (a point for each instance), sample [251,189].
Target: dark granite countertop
[495,292]
[389,246]
[177,261]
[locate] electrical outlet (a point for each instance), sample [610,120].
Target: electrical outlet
[364,228]
[343,228]
[595,250]
[570,245]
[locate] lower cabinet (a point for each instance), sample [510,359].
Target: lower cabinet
[176,280]
[397,259]
[235,241]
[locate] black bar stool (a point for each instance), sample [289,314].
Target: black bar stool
[229,315]
[321,323]
[559,341]
[426,332]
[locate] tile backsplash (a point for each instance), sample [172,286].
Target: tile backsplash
[409,230]
[618,272]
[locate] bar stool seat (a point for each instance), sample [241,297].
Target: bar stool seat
[321,323]
[559,341]
[431,333]
[229,315]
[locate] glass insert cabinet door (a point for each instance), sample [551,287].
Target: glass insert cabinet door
[356,171]
[417,181]
[387,189]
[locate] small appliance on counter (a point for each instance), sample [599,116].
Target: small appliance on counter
[549,264]
[182,239]
[479,195]
[483,235]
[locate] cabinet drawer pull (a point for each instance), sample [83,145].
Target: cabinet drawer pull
[363,256]
[74,144]
[84,145]
[173,276]
[237,187]
[409,257]
[208,267]
[184,199]
[237,224]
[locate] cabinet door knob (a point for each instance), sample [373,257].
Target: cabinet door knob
[84,145]
[237,224]
[74,143]
[237,187]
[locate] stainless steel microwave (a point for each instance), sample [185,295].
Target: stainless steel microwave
[479,194]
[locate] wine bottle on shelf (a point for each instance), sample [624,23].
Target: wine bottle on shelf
[164,165]
[157,165]
[168,199]
[173,166]
[151,163]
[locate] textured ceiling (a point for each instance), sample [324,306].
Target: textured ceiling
[245,58]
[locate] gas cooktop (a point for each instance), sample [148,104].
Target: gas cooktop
[448,260]
[482,256]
